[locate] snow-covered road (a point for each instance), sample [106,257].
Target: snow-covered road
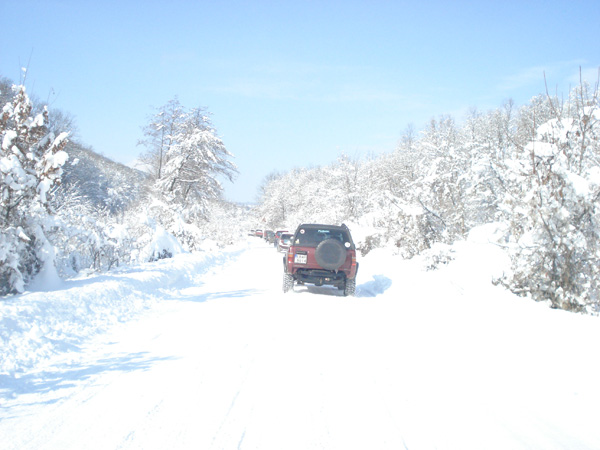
[224,360]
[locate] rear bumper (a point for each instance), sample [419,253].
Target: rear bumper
[320,277]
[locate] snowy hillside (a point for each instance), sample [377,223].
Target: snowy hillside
[104,183]
[204,351]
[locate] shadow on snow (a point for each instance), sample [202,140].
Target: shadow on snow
[378,285]
[192,295]
[67,376]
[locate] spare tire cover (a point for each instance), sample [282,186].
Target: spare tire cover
[330,254]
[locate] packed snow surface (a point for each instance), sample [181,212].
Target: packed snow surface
[204,351]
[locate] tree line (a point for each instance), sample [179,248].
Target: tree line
[534,170]
[65,209]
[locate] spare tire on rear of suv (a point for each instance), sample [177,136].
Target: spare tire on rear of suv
[330,254]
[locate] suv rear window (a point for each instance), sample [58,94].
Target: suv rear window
[311,237]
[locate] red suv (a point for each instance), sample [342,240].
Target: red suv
[321,255]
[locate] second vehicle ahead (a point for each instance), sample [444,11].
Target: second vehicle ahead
[284,241]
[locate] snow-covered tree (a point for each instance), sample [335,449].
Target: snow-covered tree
[274,207]
[30,165]
[186,157]
[195,161]
[159,136]
[186,160]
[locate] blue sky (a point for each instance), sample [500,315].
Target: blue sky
[292,84]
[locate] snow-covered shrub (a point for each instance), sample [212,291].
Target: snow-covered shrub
[160,244]
[555,220]
[438,255]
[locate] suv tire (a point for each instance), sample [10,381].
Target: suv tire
[288,282]
[350,287]
[330,254]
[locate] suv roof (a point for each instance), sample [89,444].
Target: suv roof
[322,225]
[311,234]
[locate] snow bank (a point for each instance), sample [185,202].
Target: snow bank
[36,325]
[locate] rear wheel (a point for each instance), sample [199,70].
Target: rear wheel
[288,282]
[350,288]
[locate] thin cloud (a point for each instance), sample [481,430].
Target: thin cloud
[526,77]
[557,73]
[590,75]
[300,81]
[261,89]
[296,82]
[361,93]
